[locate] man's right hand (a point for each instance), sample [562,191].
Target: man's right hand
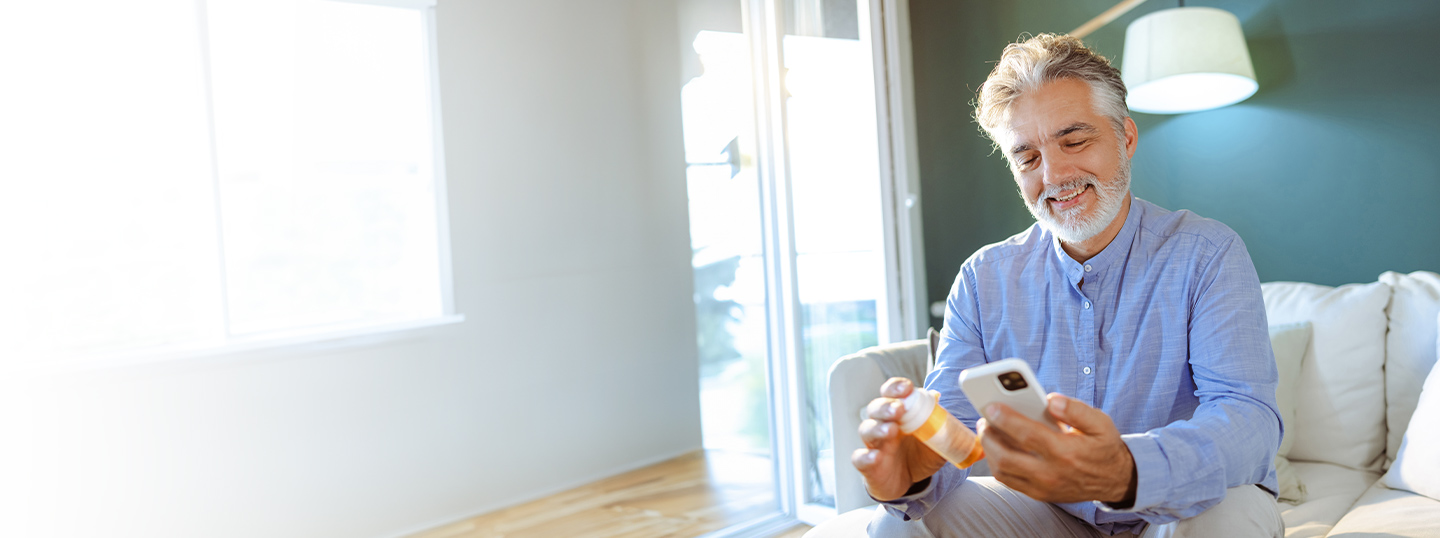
[891,462]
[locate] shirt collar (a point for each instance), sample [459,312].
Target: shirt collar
[1114,251]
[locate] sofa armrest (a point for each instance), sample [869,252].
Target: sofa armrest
[854,381]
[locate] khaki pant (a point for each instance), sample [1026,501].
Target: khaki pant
[984,507]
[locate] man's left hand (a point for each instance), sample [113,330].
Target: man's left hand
[1088,463]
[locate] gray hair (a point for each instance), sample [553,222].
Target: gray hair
[1027,65]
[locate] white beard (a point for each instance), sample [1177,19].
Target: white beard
[1072,225]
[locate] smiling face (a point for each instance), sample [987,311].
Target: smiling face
[1071,164]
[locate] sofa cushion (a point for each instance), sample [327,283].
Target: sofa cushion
[1332,489]
[1409,348]
[1417,468]
[1289,343]
[1391,513]
[1340,412]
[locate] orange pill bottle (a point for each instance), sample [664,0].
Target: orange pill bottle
[929,422]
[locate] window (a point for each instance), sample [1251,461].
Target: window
[183,175]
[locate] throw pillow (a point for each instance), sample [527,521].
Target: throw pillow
[1409,348]
[1290,342]
[1340,411]
[1417,466]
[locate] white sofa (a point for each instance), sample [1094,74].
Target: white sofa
[1358,383]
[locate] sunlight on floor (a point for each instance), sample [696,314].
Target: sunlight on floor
[675,498]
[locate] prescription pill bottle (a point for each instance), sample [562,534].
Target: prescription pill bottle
[929,422]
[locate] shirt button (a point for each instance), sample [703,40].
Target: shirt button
[1087,370]
[1087,305]
[1087,268]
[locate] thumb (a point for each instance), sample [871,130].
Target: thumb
[1078,414]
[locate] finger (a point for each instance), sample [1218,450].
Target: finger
[896,387]
[998,440]
[865,459]
[1019,463]
[1009,464]
[1027,433]
[876,434]
[1078,414]
[885,409]
[880,471]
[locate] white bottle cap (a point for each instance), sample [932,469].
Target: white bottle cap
[918,406]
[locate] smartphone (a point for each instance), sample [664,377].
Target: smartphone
[1010,382]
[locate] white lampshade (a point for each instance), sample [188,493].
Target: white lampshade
[1186,60]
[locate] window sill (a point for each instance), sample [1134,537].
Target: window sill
[289,343]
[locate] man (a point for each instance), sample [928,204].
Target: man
[1150,323]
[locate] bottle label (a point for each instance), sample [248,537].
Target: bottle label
[932,424]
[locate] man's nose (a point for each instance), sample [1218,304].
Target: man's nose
[1057,168]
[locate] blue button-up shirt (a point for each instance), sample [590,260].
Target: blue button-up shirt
[1164,330]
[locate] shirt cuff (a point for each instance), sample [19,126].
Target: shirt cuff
[1152,474]
[902,507]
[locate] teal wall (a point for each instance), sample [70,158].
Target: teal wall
[1330,173]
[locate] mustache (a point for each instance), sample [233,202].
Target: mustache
[1077,183]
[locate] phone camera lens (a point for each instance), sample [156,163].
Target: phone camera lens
[1013,381]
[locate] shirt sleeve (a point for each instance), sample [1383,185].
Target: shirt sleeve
[1185,467]
[960,347]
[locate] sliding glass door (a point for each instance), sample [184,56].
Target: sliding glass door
[801,225]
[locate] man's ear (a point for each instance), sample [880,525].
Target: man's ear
[1132,138]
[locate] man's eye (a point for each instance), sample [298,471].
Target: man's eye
[1075,144]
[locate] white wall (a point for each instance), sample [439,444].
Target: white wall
[577,359]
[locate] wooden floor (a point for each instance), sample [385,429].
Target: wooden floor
[677,498]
